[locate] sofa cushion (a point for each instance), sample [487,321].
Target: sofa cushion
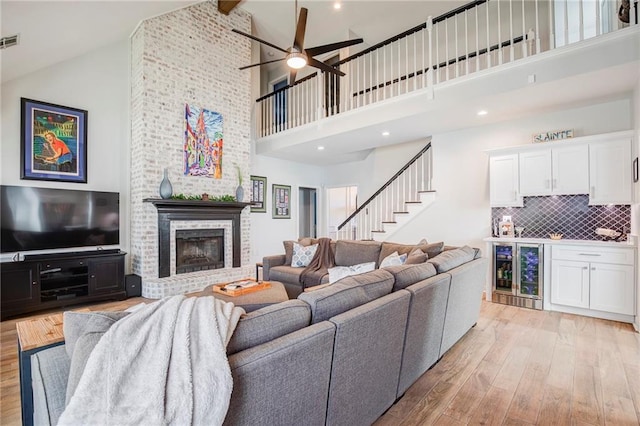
[416,256]
[339,272]
[406,275]
[394,259]
[302,255]
[349,253]
[450,259]
[268,323]
[431,250]
[285,273]
[346,294]
[75,324]
[82,332]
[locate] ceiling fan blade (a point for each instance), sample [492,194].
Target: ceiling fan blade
[324,67]
[333,46]
[292,76]
[261,63]
[259,40]
[298,41]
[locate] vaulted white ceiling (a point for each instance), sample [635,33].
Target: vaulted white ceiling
[53,31]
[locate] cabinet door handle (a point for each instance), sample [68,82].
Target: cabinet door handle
[584,268]
[34,283]
[590,254]
[592,192]
[593,268]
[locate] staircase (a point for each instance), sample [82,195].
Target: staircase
[395,204]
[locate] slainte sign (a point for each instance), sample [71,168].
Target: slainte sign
[551,136]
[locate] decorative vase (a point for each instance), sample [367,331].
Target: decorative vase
[166,190]
[239,194]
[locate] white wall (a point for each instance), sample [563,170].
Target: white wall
[97,82]
[461,212]
[267,233]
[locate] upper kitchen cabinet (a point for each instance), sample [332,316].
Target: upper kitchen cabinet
[610,171]
[555,171]
[503,178]
[598,165]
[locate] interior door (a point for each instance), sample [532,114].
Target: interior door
[308,213]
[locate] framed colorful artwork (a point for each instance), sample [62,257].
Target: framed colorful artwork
[202,142]
[258,188]
[53,142]
[281,201]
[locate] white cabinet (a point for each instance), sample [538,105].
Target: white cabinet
[503,178]
[555,171]
[570,283]
[594,278]
[610,172]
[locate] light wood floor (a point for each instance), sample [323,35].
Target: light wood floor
[516,367]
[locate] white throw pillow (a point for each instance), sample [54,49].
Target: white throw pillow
[302,255]
[394,259]
[339,272]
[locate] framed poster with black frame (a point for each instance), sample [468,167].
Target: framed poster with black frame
[258,192]
[53,142]
[281,201]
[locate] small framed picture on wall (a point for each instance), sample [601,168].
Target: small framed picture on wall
[281,201]
[258,188]
[53,142]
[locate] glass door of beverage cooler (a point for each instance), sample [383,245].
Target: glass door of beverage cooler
[504,271]
[529,282]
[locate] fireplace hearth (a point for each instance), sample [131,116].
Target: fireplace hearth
[199,250]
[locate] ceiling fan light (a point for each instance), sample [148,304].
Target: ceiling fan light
[296,60]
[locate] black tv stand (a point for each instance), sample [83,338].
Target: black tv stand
[61,279]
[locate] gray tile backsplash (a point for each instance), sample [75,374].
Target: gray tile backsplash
[570,215]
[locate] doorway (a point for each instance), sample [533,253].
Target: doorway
[342,202]
[308,212]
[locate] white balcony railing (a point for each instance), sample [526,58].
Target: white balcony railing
[478,36]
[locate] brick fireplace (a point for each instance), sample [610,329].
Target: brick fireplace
[188,56]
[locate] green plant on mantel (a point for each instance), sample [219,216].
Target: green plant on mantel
[221,198]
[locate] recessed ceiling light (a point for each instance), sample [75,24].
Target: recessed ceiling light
[385,133]
[337,5]
[483,112]
[320,148]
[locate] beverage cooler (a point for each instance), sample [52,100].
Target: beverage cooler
[517,274]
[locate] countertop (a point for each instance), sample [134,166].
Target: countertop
[621,244]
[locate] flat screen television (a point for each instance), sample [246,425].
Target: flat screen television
[43,218]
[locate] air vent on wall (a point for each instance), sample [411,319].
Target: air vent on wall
[8,41]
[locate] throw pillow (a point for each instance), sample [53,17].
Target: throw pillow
[339,272]
[302,255]
[82,332]
[394,259]
[288,251]
[416,257]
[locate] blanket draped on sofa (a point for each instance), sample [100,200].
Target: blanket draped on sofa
[164,364]
[319,265]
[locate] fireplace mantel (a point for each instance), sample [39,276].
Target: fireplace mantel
[169,210]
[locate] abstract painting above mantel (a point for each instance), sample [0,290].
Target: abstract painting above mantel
[53,142]
[202,142]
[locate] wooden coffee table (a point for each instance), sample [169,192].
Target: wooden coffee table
[253,301]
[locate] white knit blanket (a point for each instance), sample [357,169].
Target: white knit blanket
[165,364]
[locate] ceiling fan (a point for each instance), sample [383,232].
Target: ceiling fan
[297,56]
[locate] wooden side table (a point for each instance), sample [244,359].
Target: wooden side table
[35,335]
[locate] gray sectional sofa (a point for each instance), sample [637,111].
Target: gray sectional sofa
[341,354]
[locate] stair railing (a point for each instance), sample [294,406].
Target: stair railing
[477,36]
[404,186]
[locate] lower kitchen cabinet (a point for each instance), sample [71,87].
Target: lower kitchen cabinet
[603,282]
